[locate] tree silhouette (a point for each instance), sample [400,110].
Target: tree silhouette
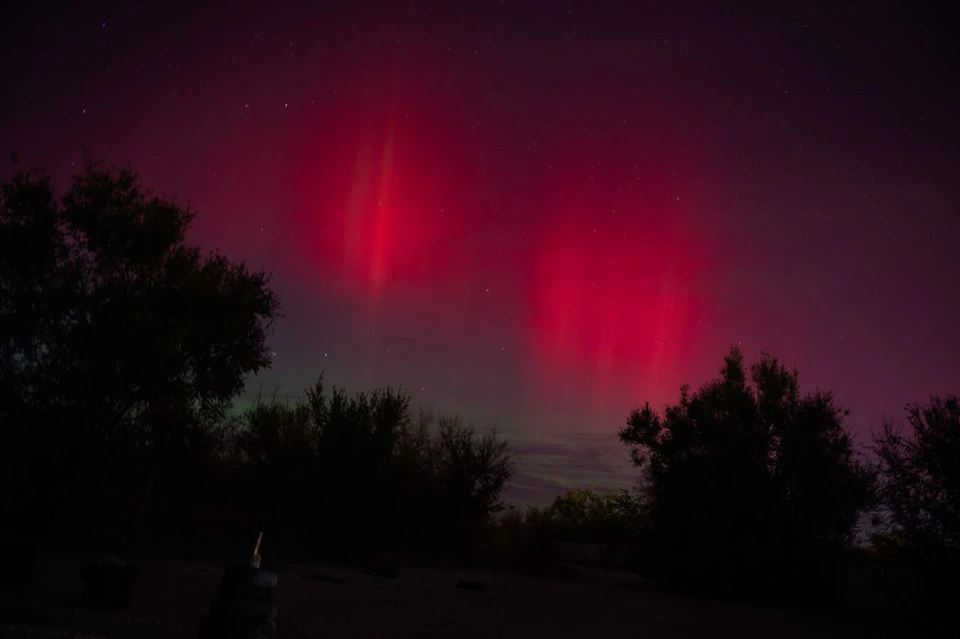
[743,479]
[360,473]
[472,469]
[920,476]
[113,322]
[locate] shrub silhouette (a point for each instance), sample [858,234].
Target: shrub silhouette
[747,483]
[471,470]
[920,476]
[919,488]
[360,473]
[583,515]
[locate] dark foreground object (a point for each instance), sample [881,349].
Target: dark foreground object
[243,606]
[108,584]
[471,585]
[16,568]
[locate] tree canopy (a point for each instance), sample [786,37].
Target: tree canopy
[101,291]
[363,470]
[920,475]
[745,471]
[113,325]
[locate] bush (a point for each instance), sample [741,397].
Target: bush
[583,515]
[358,474]
[919,487]
[748,486]
[920,476]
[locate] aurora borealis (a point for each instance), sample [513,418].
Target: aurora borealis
[538,215]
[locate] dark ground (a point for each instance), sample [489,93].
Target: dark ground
[172,595]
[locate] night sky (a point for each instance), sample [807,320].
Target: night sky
[538,215]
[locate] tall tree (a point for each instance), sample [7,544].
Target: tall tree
[744,473]
[120,325]
[473,469]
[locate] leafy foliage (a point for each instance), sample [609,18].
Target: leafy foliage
[473,470]
[115,329]
[920,476]
[363,472]
[744,473]
[583,515]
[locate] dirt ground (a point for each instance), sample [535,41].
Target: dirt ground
[172,596]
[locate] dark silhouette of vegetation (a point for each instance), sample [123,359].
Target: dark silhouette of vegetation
[122,348]
[360,472]
[748,485]
[920,476]
[582,515]
[581,525]
[919,486]
[117,333]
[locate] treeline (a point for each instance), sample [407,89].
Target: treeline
[333,475]
[366,471]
